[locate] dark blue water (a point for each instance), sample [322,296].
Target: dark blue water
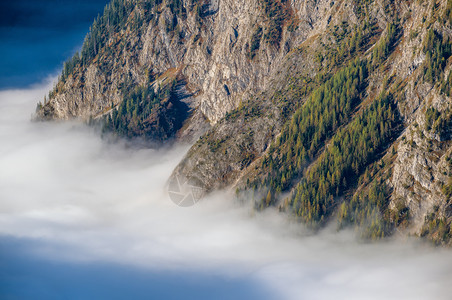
[36,37]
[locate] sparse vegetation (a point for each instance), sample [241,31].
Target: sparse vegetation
[255,42]
[277,13]
[438,228]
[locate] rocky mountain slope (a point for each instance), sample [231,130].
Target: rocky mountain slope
[332,111]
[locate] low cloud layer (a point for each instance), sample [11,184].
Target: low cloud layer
[81,199]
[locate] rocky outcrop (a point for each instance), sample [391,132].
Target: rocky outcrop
[422,167]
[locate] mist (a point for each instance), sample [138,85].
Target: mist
[69,197]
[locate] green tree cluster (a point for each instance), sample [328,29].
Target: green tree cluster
[385,46]
[361,7]
[447,188]
[145,113]
[350,151]
[368,211]
[348,42]
[441,123]
[432,115]
[437,50]
[329,107]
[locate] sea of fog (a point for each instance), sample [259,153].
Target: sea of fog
[81,218]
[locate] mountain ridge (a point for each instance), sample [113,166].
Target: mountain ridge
[289,98]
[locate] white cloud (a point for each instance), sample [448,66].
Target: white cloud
[61,185]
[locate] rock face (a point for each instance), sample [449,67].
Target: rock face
[249,64]
[423,167]
[209,47]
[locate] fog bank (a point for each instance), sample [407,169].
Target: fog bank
[76,198]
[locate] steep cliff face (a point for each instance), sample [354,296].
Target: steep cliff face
[252,70]
[421,172]
[414,165]
[208,44]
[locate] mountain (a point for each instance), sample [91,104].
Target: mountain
[332,111]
